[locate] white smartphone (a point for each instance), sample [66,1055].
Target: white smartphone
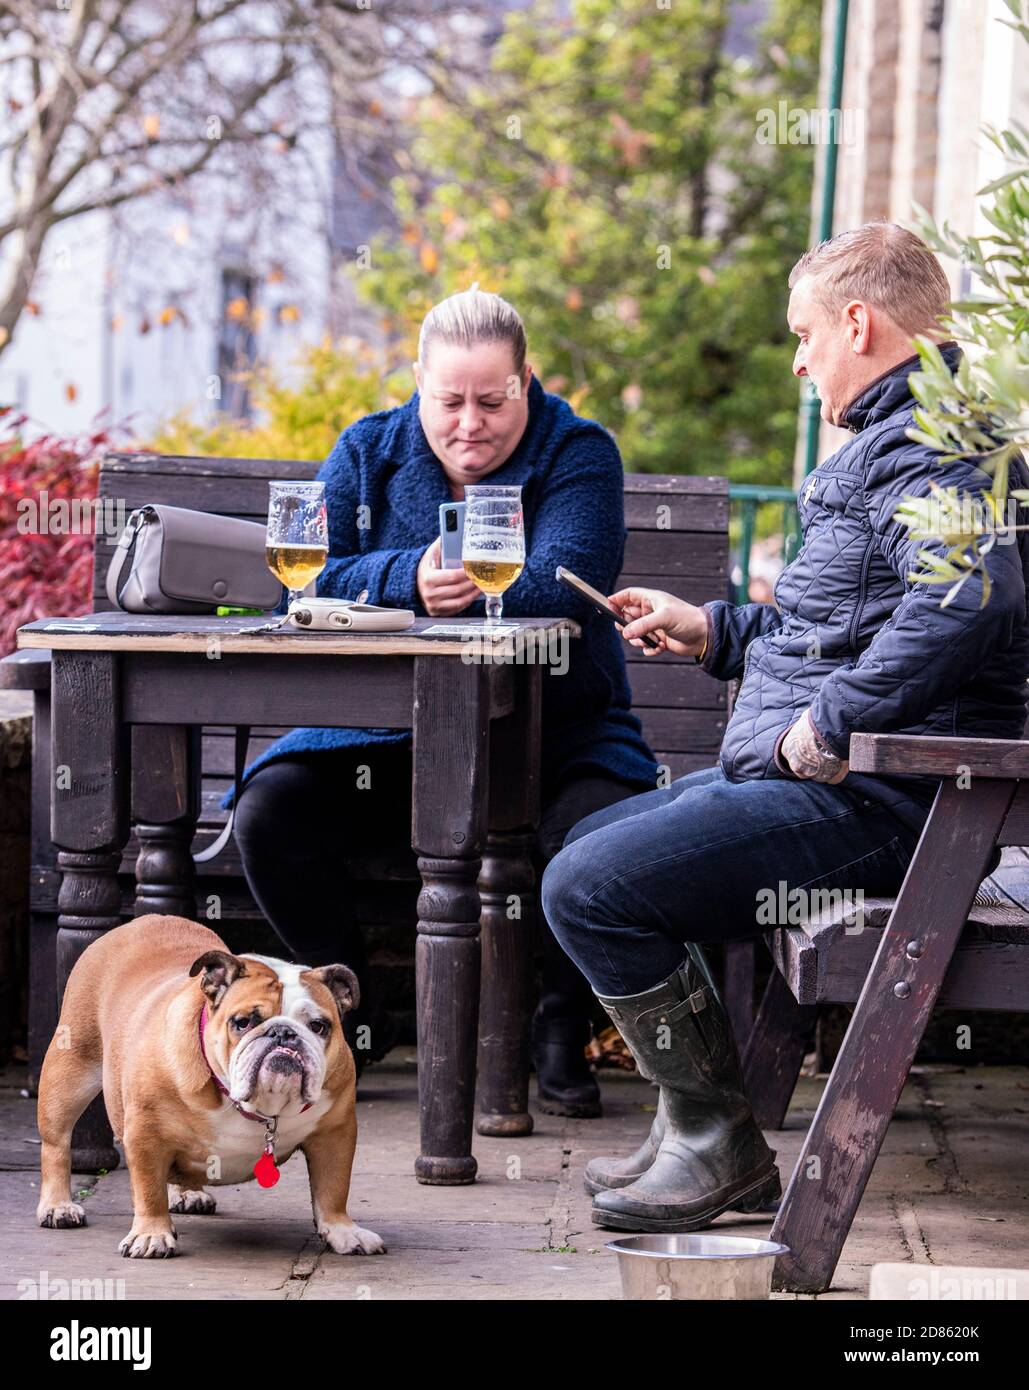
[451,534]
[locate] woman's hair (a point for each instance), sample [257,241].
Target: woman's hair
[474,316]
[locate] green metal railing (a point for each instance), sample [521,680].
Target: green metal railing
[810,421]
[744,500]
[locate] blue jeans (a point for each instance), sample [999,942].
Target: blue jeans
[706,859]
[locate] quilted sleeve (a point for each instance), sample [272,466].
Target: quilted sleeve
[731,628]
[923,653]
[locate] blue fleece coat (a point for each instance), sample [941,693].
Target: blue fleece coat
[570,472]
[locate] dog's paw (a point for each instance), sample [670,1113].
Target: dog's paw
[62,1216]
[149,1245]
[347,1239]
[192,1201]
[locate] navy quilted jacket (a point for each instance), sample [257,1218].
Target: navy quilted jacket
[853,637]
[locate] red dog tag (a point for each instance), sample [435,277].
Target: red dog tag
[266,1171]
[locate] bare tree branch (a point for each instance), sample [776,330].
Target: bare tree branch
[110,100]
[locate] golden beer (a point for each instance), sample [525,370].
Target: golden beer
[296,565]
[493,576]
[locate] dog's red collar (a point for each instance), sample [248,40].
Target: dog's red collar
[247,1114]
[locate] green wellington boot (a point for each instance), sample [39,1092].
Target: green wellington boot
[603,1173]
[709,1154]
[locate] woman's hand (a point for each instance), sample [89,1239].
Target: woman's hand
[679,627]
[443,592]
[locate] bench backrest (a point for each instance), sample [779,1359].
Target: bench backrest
[677,540]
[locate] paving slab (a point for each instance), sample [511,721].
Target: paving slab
[948,1189]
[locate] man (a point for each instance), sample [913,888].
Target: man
[854,643]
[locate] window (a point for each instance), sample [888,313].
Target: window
[237,342]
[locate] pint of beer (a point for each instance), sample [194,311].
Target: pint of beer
[297,543]
[493,553]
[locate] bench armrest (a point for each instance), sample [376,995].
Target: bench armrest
[907,755]
[25,670]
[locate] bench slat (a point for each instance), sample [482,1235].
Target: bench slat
[129,463]
[679,686]
[682,730]
[660,513]
[676,553]
[939,756]
[827,958]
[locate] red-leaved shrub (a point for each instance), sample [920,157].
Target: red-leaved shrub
[46,569]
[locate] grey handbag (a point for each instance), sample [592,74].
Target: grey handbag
[174,560]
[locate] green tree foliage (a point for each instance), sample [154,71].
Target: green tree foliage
[982,409]
[606,177]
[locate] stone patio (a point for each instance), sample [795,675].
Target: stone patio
[948,1189]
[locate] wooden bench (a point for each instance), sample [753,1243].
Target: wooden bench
[677,540]
[953,939]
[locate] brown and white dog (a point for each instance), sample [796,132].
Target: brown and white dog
[210,1064]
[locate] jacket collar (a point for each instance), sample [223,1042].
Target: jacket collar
[888,393]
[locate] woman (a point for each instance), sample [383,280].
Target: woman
[478,412]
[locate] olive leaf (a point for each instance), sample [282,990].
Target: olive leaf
[980,412]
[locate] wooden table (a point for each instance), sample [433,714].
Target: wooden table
[129,696]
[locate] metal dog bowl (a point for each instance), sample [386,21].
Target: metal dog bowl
[695,1266]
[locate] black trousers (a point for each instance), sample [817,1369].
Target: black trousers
[299,817]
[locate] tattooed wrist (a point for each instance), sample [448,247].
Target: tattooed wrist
[808,754]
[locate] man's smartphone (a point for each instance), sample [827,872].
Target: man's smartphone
[599,602]
[451,535]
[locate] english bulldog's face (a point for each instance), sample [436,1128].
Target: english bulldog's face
[273,1030]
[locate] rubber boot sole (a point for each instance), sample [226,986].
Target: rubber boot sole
[756,1197]
[583,1110]
[771,1205]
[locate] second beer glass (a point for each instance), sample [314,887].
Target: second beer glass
[493,553]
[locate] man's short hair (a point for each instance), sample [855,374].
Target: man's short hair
[882,264]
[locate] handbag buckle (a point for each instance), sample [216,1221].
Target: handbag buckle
[141,517]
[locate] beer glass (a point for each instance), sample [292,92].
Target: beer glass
[297,544]
[493,553]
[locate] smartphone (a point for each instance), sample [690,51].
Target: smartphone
[451,534]
[599,602]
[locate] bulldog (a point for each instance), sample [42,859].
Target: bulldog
[214,1069]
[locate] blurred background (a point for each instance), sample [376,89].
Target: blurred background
[222,223]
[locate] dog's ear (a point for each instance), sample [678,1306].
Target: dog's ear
[220,969]
[342,984]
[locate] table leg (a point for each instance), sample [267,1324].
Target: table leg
[451,743]
[89,824]
[42,924]
[165,773]
[775,1049]
[507,886]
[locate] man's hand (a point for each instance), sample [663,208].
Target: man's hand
[808,756]
[443,592]
[679,627]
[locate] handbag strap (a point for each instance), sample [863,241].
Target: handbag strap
[120,558]
[212,850]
